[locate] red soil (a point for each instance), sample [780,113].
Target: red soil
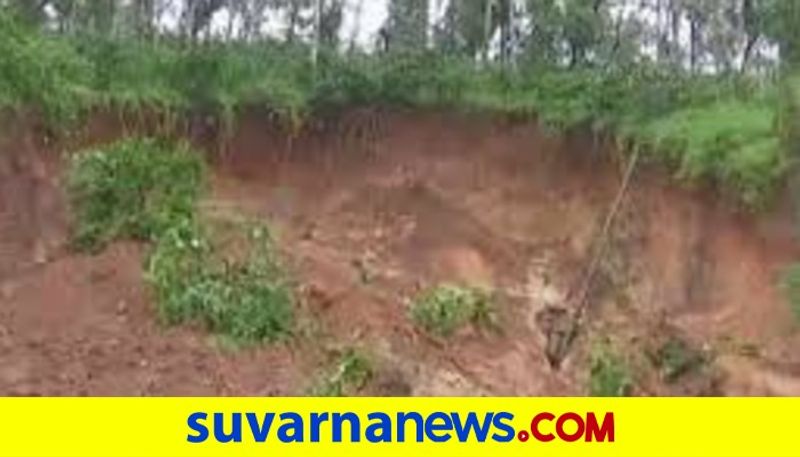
[371,208]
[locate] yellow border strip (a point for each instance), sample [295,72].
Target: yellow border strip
[159,427]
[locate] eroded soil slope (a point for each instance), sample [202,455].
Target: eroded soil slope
[370,209]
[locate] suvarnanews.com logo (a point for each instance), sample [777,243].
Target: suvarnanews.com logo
[401,427]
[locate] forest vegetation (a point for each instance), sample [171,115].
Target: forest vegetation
[706,89]
[701,85]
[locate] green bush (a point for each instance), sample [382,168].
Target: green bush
[734,143]
[132,189]
[610,376]
[446,308]
[41,73]
[675,359]
[352,373]
[246,299]
[130,74]
[722,128]
[147,190]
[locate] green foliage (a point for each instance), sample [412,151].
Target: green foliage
[244,298]
[210,77]
[135,189]
[225,277]
[131,74]
[446,308]
[352,373]
[791,286]
[722,128]
[40,72]
[733,142]
[610,375]
[675,359]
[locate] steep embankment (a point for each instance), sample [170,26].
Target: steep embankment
[371,208]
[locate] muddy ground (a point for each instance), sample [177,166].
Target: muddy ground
[371,209]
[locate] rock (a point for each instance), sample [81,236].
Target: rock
[39,253]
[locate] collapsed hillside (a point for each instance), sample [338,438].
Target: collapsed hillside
[371,209]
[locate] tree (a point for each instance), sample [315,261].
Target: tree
[406,27]
[145,17]
[330,22]
[465,28]
[583,24]
[543,37]
[781,19]
[294,19]
[197,15]
[30,11]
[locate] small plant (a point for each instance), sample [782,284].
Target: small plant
[245,299]
[132,189]
[676,358]
[352,373]
[610,375]
[446,308]
[791,286]
[146,190]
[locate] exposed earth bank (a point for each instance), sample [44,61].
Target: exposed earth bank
[370,209]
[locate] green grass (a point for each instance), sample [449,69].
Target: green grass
[224,276]
[610,375]
[730,142]
[444,309]
[676,359]
[352,372]
[41,73]
[132,189]
[720,128]
[244,298]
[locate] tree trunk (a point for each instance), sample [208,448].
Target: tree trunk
[317,33]
[487,29]
[752,40]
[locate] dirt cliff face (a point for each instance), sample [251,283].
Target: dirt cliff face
[370,208]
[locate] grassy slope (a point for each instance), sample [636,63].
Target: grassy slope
[707,128]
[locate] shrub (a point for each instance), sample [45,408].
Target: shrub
[134,189]
[446,308]
[352,373]
[245,297]
[734,143]
[227,278]
[41,73]
[609,376]
[129,74]
[675,359]
[717,127]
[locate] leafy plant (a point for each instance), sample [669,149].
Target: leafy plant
[40,72]
[147,190]
[352,373]
[446,308]
[721,128]
[245,298]
[610,376]
[675,359]
[734,143]
[132,189]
